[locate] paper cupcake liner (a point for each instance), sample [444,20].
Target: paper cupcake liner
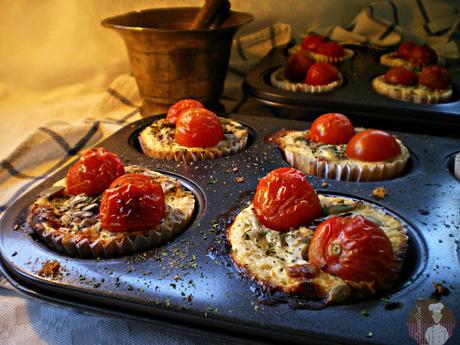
[457,166]
[279,81]
[128,243]
[392,60]
[414,94]
[193,154]
[343,171]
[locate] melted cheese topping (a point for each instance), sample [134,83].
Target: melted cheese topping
[274,259]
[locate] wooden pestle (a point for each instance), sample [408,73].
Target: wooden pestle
[213,12]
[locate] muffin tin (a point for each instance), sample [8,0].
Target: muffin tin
[188,282]
[357,96]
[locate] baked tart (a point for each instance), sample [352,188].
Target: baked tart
[103,209]
[333,148]
[316,47]
[192,133]
[302,74]
[321,247]
[411,55]
[432,85]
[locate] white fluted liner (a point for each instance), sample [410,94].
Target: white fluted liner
[346,171]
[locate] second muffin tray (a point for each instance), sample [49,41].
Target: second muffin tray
[189,282]
[356,95]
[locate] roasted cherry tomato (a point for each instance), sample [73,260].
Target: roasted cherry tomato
[405,49]
[373,145]
[176,109]
[422,55]
[332,128]
[94,172]
[134,202]
[400,75]
[284,199]
[321,73]
[198,127]
[352,248]
[434,78]
[310,42]
[331,49]
[297,66]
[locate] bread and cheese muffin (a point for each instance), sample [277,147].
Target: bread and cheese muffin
[192,133]
[283,241]
[333,148]
[299,75]
[316,47]
[96,213]
[432,85]
[411,55]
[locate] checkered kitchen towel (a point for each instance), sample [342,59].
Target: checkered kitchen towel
[387,23]
[56,143]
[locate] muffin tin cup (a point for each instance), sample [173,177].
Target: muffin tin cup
[185,283]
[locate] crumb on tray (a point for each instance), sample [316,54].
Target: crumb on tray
[50,269]
[379,192]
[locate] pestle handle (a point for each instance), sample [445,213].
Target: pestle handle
[209,12]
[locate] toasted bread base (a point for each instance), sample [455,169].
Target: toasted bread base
[416,94]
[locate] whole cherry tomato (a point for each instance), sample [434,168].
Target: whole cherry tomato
[198,127]
[400,75]
[405,49]
[321,73]
[284,199]
[134,202]
[353,249]
[176,109]
[422,55]
[434,78]
[311,41]
[297,66]
[94,172]
[331,49]
[332,128]
[373,145]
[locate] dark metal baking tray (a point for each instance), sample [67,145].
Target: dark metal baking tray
[156,285]
[356,96]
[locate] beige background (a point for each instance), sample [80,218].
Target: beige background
[46,44]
